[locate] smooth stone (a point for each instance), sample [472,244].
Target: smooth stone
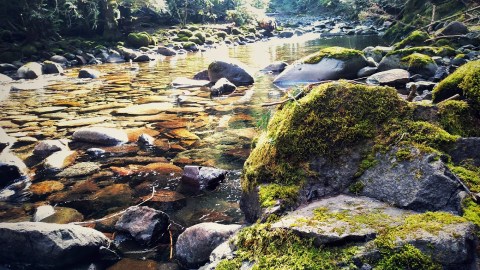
[183,82]
[201,178]
[64,215]
[88,73]
[82,122]
[30,70]
[5,79]
[146,109]
[50,67]
[278,66]
[101,135]
[223,87]
[236,73]
[166,51]
[393,77]
[60,160]
[59,59]
[79,169]
[12,168]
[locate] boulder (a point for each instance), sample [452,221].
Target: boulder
[278,66]
[225,251]
[101,135]
[223,87]
[88,73]
[419,181]
[30,70]
[195,244]
[328,64]
[142,58]
[59,59]
[114,57]
[12,169]
[235,73]
[454,28]
[201,178]
[166,51]
[143,223]
[394,77]
[5,78]
[50,67]
[47,147]
[48,245]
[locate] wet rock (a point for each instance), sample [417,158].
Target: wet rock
[422,86]
[316,67]
[223,87]
[59,59]
[59,160]
[88,73]
[235,73]
[367,71]
[278,66]
[81,61]
[50,67]
[183,82]
[50,109]
[47,147]
[441,73]
[30,70]
[63,215]
[465,149]
[183,133]
[43,212]
[195,244]
[145,224]
[146,141]
[48,245]
[166,200]
[200,178]
[82,122]
[115,57]
[45,188]
[142,58]
[12,168]
[394,77]
[286,34]
[421,183]
[7,67]
[166,51]
[146,109]
[79,169]
[5,78]
[454,28]
[101,135]
[202,75]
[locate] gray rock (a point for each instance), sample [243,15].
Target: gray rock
[142,58]
[143,223]
[465,149]
[196,243]
[101,135]
[422,183]
[7,67]
[59,59]
[47,147]
[223,87]
[377,53]
[422,85]
[367,71]
[48,245]
[394,77]
[286,34]
[30,70]
[88,73]
[235,73]
[166,51]
[79,169]
[441,73]
[115,57]
[326,69]
[12,169]
[202,75]
[182,82]
[80,60]
[454,28]
[278,66]
[201,178]
[5,78]
[50,67]
[225,251]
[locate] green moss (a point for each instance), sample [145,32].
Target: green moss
[188,45]
[460,56]
[471,211]
[403,154]
[367,163]
[221,34]
[458,118]
[417,60]
[195,40]
[416,38]
[407,257]
[339,53]
[184,33]
[281,249]
[229,265]
[200,35]
[427,50]
[138,40]
[469,177]
[271,193]
[465,81]
[428,134]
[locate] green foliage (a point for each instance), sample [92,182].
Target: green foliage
[465,81]
[334,53]
[271,193]
[416,38]
[458,118]
[408,257]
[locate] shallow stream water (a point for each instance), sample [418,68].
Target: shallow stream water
[189,126]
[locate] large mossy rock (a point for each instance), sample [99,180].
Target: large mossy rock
[328,64]
[138,40]
[357,231]
[46,246]
[321,143]
[464,81]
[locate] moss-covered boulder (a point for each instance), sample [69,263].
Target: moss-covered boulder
[465,81]
[416,38]
[138,40]
[331,63]
[420,64]
[458,118]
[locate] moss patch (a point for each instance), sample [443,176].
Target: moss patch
[407,257]
[417,60]
[458,118]
[269,194]
[427,50]
[470,177]
[471,212]
[465,81]
[138,40]
[339,53]
[416,38]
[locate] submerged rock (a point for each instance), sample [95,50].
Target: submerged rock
[145,224]
[101,135]
[166,51]
[328,64]
[234,73]
[223,87]
[48,245]
[200,178]
[278,66]
[195,244]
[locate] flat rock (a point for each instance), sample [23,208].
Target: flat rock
[48,245]
[59,160]
[101,135]
[183,82]
[393,77]
[82,122]
[52,109]
[79,169]
[146,109]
